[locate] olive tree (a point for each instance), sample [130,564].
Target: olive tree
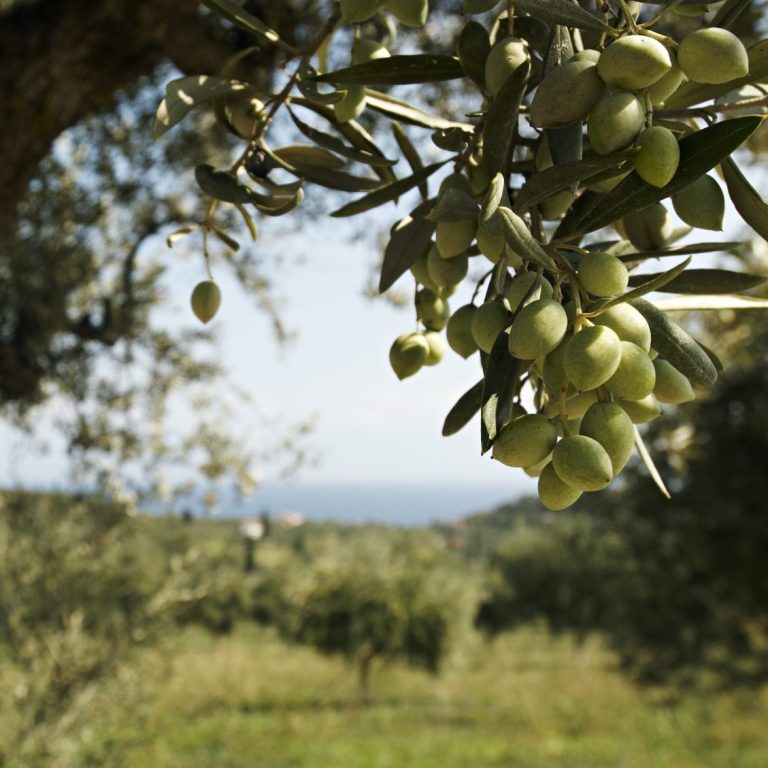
[568,133]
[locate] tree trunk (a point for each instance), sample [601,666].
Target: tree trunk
[61,60]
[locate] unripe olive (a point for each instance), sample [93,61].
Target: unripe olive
[535,469]
[491,245]
[454,237]
[459,331]
[408,354]
[457,181]
[701,204]
[610,425]
[537,329]
[641,411]
[635,377]
[245,116]
[355,11]
[489,321]
[411,13]
[712,55]
[525,441]
[662,89]
[649,229]
[446,271]
[627,323]
[553,492]
[431,309]
[472,49]
[351,105]
[615,122]
[205,300]
[658,156]
[436,348]
[582,463]
[556,206]
[592,357]
[420,270]
[478,174]
[633,62]
[525,288]
[671,386]
[567,94]
[366,49]
[553,370]
[505,57]
[589,54]
[602,274]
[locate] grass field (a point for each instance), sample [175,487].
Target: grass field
[248,700]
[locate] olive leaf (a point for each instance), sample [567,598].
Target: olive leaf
[560,48]
[729,12]
[565,143]
[705,281]
[500,385]
[230,242]
[299,155]
[650,466]
[520,239]
[411,155]
[233,12]
[699,152]
[309,88]
[553,180]
[464,409]
[714,302]
[407,113]
[397,70]
[222,185]
[387,193]
[562,12]
[676,346]
[319,167]
[185,93]
[683,250]
[453,205]
[474,46]
[409,239]
[752,208]
[493,197]
[478,6]
[501,120]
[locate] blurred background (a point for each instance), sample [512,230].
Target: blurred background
[247,543]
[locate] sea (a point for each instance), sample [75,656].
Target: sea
[397,505]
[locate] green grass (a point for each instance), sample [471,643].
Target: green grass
[526,700]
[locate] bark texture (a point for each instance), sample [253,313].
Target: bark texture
[61,60]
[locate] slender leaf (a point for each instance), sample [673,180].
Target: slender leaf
[706,281]
[280,208]
[222,185]
[411,155]
[409,239]
[752,208]
[473,47]
[478,6]
[501,384]
[729,12]
[699,152]
[501,120]
[453,205]
[676,346]
[334,144]
[553,180]
[451,139]
[683,250]
[299,155]
[693,303]
[407,113]
[650,466]
[397,70]
[466,407]
[562,12]
[181,233]
[310,88]
[230,242]
[301,165]
[248,219]
[565,143]
[520,239]
[234,13]
[560,48]
[387,193]
[493,197]
[185,93]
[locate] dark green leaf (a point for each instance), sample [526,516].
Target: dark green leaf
[397,70]
[309,88]
[335,144]
[695,93]
[520,239]
[746,200]
[553,180]
[387,193]
[501,384]
[453,205]
[299,155]
[535,31]
[560,48]
[716,361]
[230,242]
[706,281]
[699,152]
[232,11]
[409,239]
[683,250]
[407,113]
[466,407]
[562,12]
[411,155]
[676,346]
[473,47]
[729,12]
[301,164]
[222,185]
[501,120]
[565,143]
[451,139]
[478,6]
[281,206]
